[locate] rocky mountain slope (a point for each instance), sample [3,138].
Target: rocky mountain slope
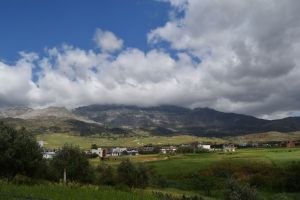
[52,119]
[160,120]
[164,120]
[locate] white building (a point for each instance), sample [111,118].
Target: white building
[229,148]
[41,143]
[117,151]
[100,152]
[168,149]
[48,154]
[204,146]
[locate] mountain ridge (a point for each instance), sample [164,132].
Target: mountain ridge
[155,120]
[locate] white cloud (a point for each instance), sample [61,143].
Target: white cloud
[107,41]
[16,81]
[249,63]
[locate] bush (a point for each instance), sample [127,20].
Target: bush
[205,183]
[292,177]
[160,181]
[238,191]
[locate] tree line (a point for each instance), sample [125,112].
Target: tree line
[20,156]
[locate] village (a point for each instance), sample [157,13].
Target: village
[194,147]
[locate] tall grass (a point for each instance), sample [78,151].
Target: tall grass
[62,192]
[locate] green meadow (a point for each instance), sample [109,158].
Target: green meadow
[72,192]
[182,170]
[172,165]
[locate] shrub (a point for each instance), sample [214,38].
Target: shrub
[238,191]
[292,177]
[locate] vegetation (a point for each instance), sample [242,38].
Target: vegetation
[72,160]
[58,140]
[248,174]
[19,153]
[68,192]
[133,176]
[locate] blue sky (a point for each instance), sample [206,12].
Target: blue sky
[32,25]
[233,56]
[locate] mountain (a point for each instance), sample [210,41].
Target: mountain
[49,120]
[129,120]
[166,120]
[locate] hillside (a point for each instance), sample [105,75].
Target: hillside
[168,120]
[131,120]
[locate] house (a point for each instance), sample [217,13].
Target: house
[204,146]
[131,152]
[229,148]
[101,152]
[48,154]
[168,149]
[290,144]
[117,151]
[41,143]
[149,149]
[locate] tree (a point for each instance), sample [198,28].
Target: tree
[94,146]
[74,161]
[106,175]
[127,173]
[133,176]
[142,180]
[19,153]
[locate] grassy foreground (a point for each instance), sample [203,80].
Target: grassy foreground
[62,192]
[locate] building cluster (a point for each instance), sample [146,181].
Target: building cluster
[169,149]
[115,151]
[270,144]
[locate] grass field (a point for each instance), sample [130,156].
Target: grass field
[266,137]
[58,140]
[176,168]
[180,168]
[187,163]
[61,192]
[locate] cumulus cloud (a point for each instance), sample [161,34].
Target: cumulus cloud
[249,49]
[234,56]
[16,82]
[107,41]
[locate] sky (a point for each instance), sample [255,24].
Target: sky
[229,55]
